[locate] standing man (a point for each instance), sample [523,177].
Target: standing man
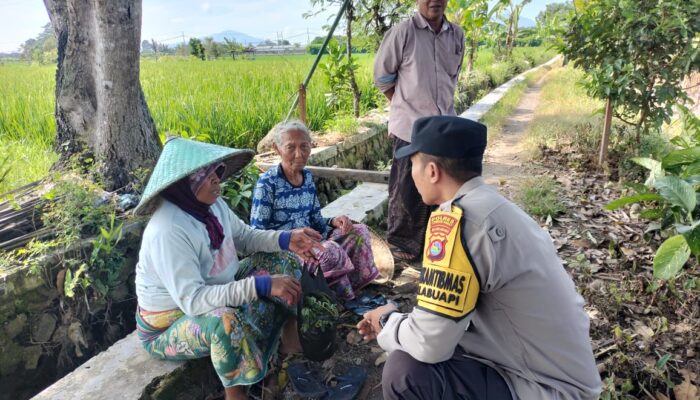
[416,67]
[497,316]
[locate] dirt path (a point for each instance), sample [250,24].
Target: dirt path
[505,159]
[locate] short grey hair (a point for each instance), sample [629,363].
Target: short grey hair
[287,126]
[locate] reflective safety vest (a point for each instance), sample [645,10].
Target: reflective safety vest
[449,284]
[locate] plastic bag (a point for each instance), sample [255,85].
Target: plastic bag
[317,326]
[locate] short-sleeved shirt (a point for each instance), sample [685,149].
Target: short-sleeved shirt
[423,67]
[279,205]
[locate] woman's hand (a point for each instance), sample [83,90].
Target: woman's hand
[369,327]
[304,241]
[343,223]
[286,288]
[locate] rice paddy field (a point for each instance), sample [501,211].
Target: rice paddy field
[232,103]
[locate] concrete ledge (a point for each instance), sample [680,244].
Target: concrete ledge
[364,203]
[121,372]
[125,369]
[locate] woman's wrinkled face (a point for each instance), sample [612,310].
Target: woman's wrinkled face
[210,189]
[294,150]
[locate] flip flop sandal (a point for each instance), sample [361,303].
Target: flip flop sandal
[349,385]
[365,303]
[305,383]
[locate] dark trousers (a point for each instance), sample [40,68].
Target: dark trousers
[460,377]
[408,215]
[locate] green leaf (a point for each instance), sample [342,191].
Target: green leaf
[654,167]
[676,191]
[648,163]
[662,361]
[692,169]
[670,257]
[68,284]
[692,237]
[615,204]
[681,157]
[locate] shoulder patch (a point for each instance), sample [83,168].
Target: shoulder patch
[448,286]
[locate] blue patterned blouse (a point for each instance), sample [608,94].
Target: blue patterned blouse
[279,205]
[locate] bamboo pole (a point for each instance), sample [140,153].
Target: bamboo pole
[319,55]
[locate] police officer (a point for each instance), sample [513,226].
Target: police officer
[497,316]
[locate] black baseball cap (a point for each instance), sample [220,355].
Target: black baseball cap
[446,136]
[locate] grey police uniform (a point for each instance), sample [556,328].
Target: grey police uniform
[528,322]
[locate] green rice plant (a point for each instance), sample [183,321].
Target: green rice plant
[233,103]
[539,196]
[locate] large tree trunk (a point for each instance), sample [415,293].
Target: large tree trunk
[100,107]
[349,13]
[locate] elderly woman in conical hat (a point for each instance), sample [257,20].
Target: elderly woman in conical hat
[196,298]
[285,198]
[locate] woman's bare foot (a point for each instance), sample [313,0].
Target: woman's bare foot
[236,393]
[290,338]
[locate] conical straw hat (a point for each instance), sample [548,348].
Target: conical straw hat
[180,158]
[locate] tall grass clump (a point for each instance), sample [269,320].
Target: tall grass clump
[540,196]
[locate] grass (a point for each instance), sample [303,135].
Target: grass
[234,103]
[565,114]
[495,118]
[539,196]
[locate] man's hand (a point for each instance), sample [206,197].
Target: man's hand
[286,288]
[369,327]
[303,242]
[343,223]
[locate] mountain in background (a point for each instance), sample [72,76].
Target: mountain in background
[237,36]
[522,23]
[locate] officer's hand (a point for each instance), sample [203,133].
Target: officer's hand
[369,327]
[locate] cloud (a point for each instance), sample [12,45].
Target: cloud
[205,6]
[178,20]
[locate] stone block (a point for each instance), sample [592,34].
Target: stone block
[31,357]
[43,327]
[16,326]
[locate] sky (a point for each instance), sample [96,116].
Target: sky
[168,20]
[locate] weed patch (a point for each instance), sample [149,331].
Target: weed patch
[540,197]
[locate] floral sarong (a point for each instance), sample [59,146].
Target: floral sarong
[347,261]
[240,340]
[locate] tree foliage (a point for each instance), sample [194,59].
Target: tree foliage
[473,16]
[671,195]
[636,54]
[197,48]
[43,48]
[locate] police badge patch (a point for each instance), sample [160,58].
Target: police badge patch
[448,286]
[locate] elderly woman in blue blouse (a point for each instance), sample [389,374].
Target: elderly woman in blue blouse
[285,198]
[195,297]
